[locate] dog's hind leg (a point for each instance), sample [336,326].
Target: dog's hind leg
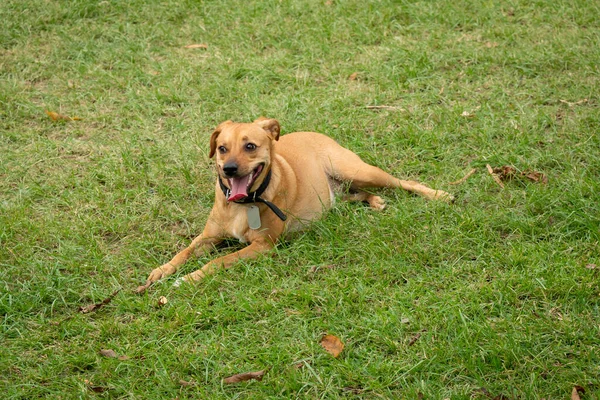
[344,165]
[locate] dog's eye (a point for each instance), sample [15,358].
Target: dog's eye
[250,146]
[222,149]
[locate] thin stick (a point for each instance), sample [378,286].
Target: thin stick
[384,108]
[464,178]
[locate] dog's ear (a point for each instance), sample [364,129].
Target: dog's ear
[270,125]
[213,137]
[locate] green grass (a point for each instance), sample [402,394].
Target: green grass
[496,284]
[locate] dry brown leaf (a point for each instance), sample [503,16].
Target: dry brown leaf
[535,176]
[108,353]
[59,117]
[124,358]
[94,388]
[590,266]
[575,393]
[196,46]
[494,175]
[490,45]
[186,383]
[505,172]
[246,376]
[508,172]
[332,344]
[94,307]
[162,300]
[464,178]
[353,76]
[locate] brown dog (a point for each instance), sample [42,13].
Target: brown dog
[269,185]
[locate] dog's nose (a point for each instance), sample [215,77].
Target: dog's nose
[230,169]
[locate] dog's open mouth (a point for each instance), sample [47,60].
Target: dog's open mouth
[241,185]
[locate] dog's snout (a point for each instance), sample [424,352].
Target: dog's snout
[230,168]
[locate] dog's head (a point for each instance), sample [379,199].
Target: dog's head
[243,154]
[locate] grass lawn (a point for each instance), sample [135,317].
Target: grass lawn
[494,296]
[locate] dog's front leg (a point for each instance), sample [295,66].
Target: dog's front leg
[205,242]
[257,247]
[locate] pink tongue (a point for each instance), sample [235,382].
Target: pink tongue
[238,188]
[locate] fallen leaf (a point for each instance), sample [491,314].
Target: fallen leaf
[162,300]
[196,46]
[353,76]
[505,172]
[508,172]
[94,307]
[494,175]
[575,393]
[590,266]
[464,178]
[332,344]
[108,353]
[186,383]
[59,117]
[246,376]
[535,176]
[124,358]
[94,388]
[490,45]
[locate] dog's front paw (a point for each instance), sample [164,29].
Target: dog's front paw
[156,275]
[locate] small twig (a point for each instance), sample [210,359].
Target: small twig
[94,307]
[575,103]
[414,339]
[494,175]
[384,108]
[464,178]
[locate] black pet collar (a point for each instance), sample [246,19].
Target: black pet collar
[254,197]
